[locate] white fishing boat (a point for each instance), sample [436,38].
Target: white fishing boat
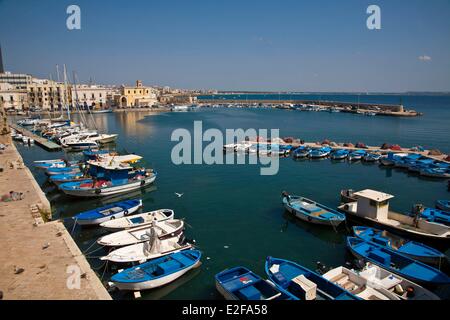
[372,207]
[139,220]
[104,138]
[164,230]
[379,278]
[81,144]
[148,250]
[358,285]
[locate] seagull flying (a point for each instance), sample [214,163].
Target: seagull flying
[179,195]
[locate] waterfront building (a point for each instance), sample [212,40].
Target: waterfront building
[18,80]
[13,98]
[135,96]
[177,99]
[93,96]
[47,94]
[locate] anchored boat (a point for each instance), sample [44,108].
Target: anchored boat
[443,205]
[311,211]
[378,278]
[110,177]
[163,230]
[157,272]
[359,286]
[240,283]
[139,220]
[148,250]
[339,154]
[109,212]
[414,250]
[372,207]
[320,153]
[356,155]
[303,283]
[396,262]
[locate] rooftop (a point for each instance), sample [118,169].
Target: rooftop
[374,195]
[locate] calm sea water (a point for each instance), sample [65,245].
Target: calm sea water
[232,211]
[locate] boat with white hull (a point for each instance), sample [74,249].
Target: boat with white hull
[351,281]
[148,250]
[380,216]
[405,289]
[163,230]
[139,220]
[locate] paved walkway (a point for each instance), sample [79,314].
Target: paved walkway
[35,256]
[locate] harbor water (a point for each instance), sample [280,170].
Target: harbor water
[235,214]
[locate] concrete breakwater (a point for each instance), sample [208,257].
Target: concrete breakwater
[396,110]
[39,259]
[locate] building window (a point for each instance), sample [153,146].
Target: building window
[93,96]
[11,98]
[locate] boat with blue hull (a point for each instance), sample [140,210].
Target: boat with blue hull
[301,152]
[240,283]
[311,211]
[71,177]
[109,212]
[73,169]
[110,177]
[303,283]
[356,155]
[340,154]
[409,160]
[93,154]
[435,215]
[371,157]
[443,205]
[158,272]
[391,158]
[320,153]
[441,173]
[396,262]
[414,250]
[55,163]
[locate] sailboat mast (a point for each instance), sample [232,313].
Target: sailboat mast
[65,93]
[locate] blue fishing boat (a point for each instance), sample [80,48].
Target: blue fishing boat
[157,272]
[59,179]
[240,283]
[396,262]
[339,154]
[57,163]
[443,205]
[109,212]
[421,165]
[435,215]
[92,154]
[391,158]
[320,153]
[443,173]
[63,170]
[414,250]
[407,161]
[301,152]
[356,155]
[303,283]
[372,157]
[311,211]
[109,178]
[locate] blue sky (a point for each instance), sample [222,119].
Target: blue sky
[321,45]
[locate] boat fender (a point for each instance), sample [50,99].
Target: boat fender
[97,191]
[125,212]
[399,290]
[410,292]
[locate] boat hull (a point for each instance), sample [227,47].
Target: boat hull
[85,222]
[308,219]
[152,284]
[107,191]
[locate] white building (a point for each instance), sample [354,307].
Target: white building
[12,97]
[17,80]
[95,97]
